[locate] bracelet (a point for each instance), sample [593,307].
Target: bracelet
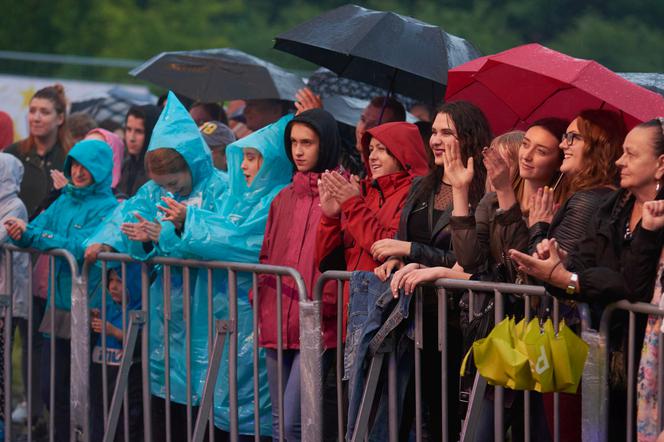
[552,270]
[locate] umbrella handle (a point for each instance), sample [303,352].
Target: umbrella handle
[390,92]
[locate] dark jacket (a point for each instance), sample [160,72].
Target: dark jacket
[133,174]
[438,252]
[610,266]
[37,183]
[481,241]
[570,222]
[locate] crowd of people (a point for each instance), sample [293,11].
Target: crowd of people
[572,205]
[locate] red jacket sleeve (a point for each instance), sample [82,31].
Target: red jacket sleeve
[328,237]
[364,226]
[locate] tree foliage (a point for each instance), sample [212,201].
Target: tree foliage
[622,34]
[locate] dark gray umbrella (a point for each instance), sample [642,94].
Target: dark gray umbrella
[219,74]
[388,50]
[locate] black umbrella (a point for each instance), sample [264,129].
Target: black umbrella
[219,74]
[385,49]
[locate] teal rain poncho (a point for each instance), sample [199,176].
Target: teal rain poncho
[174,130]
[234,232]
[73,216]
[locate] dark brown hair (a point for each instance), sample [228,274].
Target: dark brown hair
[56,95]
[603,132]
[391,104]
[658,136]
[165,161]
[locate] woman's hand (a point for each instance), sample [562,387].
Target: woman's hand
[94,250]
[15,227]
[497,169]
[339,187]
[542,206]
[175,212]
[142,231]
[420,276]
[458,175]
[397,279]
[305,100]
[384,248]
[652,215]
[384,270]
[59,179]
[550,269]
[328,205]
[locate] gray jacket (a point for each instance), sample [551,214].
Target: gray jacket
[11,174]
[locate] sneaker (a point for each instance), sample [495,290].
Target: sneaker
[20,413]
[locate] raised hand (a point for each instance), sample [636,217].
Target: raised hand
[328,204]
[59,179]
[458,175]
[497,169]
[15,227]
[542,206]
[174,211]
[305,100]
[151,228]
[551,269]
[339,187]
[652,215]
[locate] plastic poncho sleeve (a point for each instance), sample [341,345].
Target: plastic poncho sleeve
[39,236]
[207,235]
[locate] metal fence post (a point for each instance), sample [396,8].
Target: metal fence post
[80,355]
[311,362]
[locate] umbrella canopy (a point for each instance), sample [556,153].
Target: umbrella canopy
[218,75]
[521,85]
[388,50]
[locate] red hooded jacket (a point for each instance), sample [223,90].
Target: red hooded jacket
[374,216]
[290,240]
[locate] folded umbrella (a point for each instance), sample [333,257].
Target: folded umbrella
[219,74]
[388,50]
[521,85]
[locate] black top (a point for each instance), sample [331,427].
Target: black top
[37,183]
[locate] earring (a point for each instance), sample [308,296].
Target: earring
[657,186]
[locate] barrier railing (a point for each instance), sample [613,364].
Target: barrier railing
[219,333]
[498,291]
[9,253]
[222,339]
[632,310]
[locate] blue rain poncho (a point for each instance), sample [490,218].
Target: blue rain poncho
[234,232]
[174,130]
[74,216]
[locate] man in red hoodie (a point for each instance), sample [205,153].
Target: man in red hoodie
[312,143]
[353,219]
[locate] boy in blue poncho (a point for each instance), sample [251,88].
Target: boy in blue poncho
[115,321]
[81,207]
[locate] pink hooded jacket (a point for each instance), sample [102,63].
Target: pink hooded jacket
[118,152]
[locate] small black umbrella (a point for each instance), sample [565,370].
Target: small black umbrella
[385,49]
[219,74]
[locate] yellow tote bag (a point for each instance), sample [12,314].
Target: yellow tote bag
[569,353]
[499,361]
[536,340]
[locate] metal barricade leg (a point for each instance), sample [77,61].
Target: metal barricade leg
[223,330]
[136,319]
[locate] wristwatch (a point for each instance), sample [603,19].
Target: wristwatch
[571,285]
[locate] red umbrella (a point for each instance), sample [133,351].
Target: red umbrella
[521,85]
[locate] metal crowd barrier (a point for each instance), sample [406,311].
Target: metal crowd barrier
[499,290]
[221,332]
[603,367]
[6,301]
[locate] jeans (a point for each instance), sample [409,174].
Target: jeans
[373,316]
[291,388]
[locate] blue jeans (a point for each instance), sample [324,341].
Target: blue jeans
[291,388]
[373,315]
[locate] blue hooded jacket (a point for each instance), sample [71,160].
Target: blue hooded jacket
[74,216]
[174,130]
[234,232]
